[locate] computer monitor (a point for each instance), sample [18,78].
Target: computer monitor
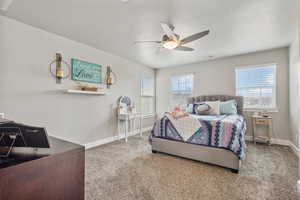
[25,136]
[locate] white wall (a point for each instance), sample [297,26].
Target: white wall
[295,89]
[30,95]
[218,77]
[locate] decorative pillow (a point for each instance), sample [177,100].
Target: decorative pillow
[228,107]
[189,108]
[203,109]
[192,107]
[215,107]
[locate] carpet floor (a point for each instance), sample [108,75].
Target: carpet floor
[129,171]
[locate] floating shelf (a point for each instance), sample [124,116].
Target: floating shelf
[84,92]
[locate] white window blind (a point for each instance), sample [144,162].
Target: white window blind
[147,96]
[181,90]
[147,87]
[182,84]
[258,86]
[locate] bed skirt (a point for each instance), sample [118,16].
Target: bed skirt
[216,156]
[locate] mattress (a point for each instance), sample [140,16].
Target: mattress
[219,131]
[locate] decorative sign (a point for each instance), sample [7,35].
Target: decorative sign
[86,72]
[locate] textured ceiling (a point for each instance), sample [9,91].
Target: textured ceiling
[237,26]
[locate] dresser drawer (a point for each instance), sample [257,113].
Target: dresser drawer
[262,121]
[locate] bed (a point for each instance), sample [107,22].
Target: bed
[220,140]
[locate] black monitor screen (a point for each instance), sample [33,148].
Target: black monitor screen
[26,136]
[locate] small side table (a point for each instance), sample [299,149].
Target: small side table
[130,118]
[258,120]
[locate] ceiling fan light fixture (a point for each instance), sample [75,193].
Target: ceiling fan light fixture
[171,44]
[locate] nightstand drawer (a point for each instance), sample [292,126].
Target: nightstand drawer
[262,121]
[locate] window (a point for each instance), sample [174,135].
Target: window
[181,89]
[182,84]
[147,96]
[258,86]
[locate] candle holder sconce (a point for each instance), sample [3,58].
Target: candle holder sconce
[61,69]
[111,77]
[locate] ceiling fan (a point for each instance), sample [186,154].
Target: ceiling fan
[172,41]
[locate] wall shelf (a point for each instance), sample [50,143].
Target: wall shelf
[84,92]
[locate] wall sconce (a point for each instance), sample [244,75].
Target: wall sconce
[111,77]
[61,70]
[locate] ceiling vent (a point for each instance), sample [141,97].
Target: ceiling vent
[4,4]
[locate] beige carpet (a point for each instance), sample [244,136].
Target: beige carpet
[120,171]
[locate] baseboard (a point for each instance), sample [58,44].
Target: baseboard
[113,138]
[294,148]
[65,139]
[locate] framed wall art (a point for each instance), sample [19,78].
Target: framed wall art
[86,72]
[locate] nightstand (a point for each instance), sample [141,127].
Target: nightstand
[129,120]
[262,121]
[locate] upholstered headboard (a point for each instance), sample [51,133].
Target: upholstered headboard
[239,100]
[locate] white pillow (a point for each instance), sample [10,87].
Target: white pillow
[215,107]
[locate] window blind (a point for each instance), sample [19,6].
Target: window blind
[182,84]
[147,96]
[258,86]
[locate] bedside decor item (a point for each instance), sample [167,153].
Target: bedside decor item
[87,87]
[264,113]
[61,70]
[110,77]
[259,120]
[86,72]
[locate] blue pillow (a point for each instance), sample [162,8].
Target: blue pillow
[228,107]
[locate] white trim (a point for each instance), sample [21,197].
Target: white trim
[100,142]
[256,66]
[288,143]
[65,139]
[295,149]
[112,139]
[259,110]
[298,185]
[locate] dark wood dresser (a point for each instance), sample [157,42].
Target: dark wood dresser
[57,176]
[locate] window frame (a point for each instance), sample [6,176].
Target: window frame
[179,96]
[147,96]
[274,107]
[182,74]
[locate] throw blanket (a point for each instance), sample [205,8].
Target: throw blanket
[185,126]
[220,131]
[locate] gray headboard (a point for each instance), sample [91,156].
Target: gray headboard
[239,100]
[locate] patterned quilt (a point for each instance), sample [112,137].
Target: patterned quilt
[220,131]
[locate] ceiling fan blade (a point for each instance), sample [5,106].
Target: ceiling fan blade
[136,42]
[183,48]
[168,30]
[194,37]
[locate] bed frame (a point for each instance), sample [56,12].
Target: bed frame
[212,155]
